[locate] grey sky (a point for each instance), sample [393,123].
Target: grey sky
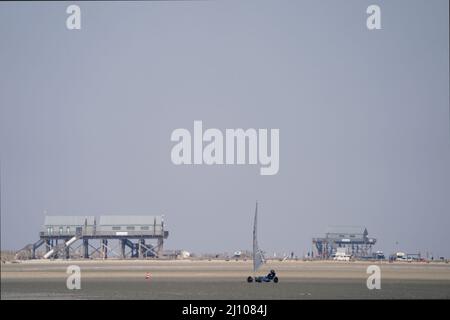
[86,118]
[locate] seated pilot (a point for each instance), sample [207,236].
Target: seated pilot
[270,276]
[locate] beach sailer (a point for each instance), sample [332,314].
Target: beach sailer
[258,258]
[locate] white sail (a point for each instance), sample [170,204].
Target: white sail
[258,258]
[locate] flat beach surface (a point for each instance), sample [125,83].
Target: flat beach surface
[223,280]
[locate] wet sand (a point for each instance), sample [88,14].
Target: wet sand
[186,279]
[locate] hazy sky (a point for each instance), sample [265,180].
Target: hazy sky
[86,118]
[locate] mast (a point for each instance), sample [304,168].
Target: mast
[257,254]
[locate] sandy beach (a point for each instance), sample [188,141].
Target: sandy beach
[218,279]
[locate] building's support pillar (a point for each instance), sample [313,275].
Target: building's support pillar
[160,247]
[48,245]
[86,248]
[105,248]
[141,248]
[134,250]
[123,243]
[67,250]
[138,244]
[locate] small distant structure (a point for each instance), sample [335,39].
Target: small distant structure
[379,255]
[184,254]
[347,240]
[341,255]
[60,235]
[402,256]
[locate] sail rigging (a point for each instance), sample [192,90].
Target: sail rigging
[258,258]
